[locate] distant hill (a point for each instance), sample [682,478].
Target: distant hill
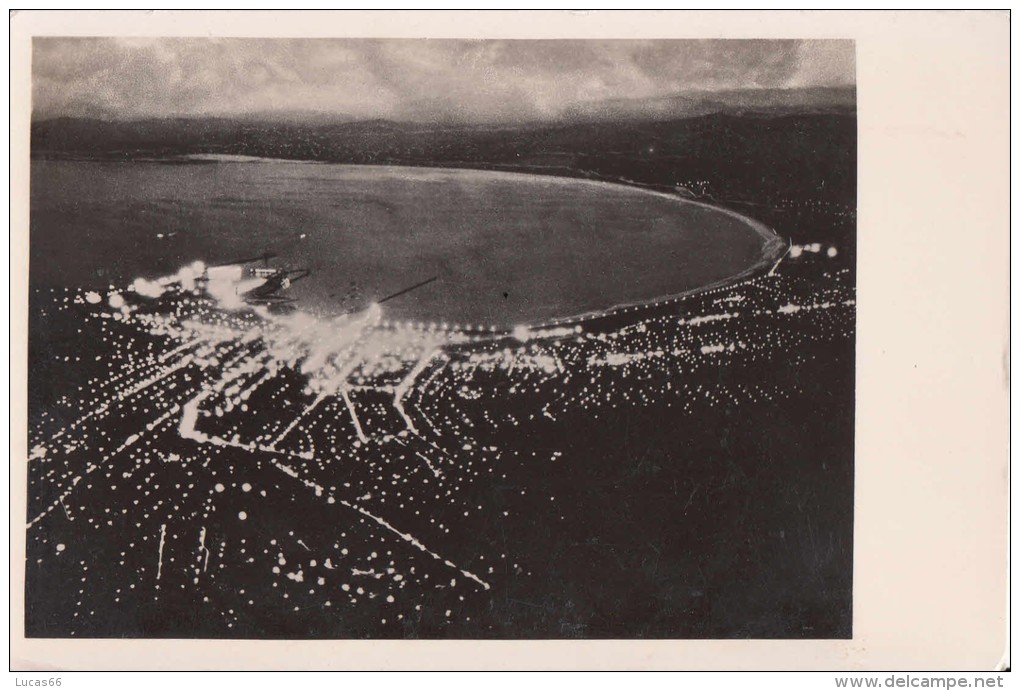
[749,145]
[735,102]
[315,133]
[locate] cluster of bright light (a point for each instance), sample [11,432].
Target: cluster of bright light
[813,248]
[388,424]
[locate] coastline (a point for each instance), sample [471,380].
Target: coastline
[773,246]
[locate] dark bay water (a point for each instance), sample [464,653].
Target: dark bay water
[506,248]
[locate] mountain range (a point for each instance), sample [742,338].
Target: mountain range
[671,107]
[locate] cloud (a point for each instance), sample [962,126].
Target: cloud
[825,63]
[476,80]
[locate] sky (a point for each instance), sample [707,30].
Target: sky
[483,81]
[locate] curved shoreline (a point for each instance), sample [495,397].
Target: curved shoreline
[774,247]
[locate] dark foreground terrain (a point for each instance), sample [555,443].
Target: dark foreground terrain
[680,470]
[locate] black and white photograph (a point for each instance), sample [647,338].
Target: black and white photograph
[545,340]
[457,339]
